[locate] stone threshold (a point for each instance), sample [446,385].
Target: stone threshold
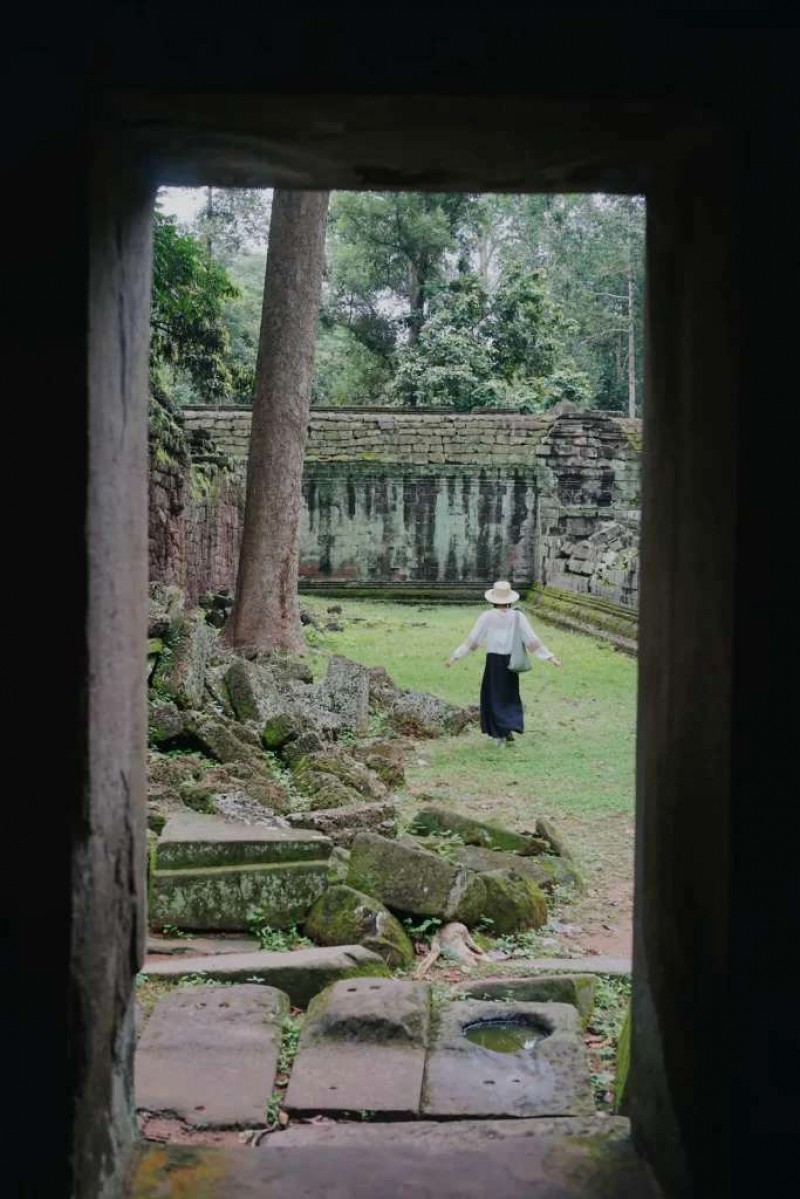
[371,1163]
[593,964]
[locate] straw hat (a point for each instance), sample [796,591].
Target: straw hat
[501,593]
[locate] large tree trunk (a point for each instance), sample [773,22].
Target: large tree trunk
[266,610]
[631,349]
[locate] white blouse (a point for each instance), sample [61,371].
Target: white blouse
[495,628]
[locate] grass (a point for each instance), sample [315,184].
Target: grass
[577,752]
[573,765]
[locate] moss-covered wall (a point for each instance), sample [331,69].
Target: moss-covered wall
[417,498]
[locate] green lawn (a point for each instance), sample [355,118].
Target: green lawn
[577,753]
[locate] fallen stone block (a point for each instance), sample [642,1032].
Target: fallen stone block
[180,674]
[433,820]
[190,840]
[410,879]
[313,771]
[343,916]
[208,1055]
[342,824]
[301,973]
[546,870]
[386,758]
[548,1076]
[194,946]
[212,874]
[362,1048]
[513,902]
[548,831]
[254,691]
[346,687]
[225,898]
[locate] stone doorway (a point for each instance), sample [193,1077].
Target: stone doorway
[703,335]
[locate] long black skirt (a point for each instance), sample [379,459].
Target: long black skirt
[501,706]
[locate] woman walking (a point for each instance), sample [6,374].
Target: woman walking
[501,706]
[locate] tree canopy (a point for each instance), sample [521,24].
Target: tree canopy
[430,299]
[189,335]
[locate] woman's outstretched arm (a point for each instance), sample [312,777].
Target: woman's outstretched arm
[534,644]
[472,642]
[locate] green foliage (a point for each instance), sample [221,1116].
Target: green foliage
[389,241]
[171,930]
[199,979]
[559,279]
[188,334]
[276,940]
[451,364]
[290,1039]
[242,314]
[526,327]
[479,350]
[612,999]
[346,370]
[231,220]
[526,944]
[418,929]
[274,1108]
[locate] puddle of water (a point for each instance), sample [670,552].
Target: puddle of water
[503,1036]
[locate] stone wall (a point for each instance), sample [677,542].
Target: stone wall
[420,500]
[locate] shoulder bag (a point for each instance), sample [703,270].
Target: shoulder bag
[519,661]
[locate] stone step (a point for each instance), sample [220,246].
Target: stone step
[545,1166]
[372,1045]
[208,1055]
[591,964]
[441,1134]
[302,973]
[549,1078]
[223,898]
[362,1048]
[190,840]
[197,946]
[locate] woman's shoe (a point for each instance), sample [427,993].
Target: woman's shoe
[498,741]
[509,738]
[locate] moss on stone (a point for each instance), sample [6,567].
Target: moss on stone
[344,916]
[327,792]
[512,902]
[223,898]
[549,833]
[338,865]
[345,769]
[412,880]
[432,820]
[279,730]
[575,989]
[588,614]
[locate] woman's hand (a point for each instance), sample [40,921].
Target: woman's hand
[448,662]
[555,661]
